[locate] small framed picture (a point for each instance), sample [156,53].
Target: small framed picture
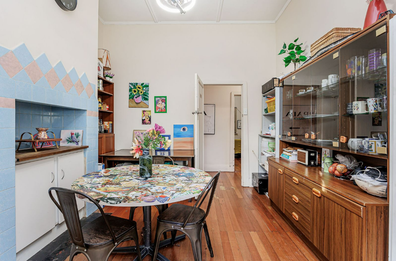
[146,117]
[160,104]
[71,138]
[239,124]
[162,153]
[100,68]
[135,133]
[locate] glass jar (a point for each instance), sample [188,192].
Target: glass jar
[145,164]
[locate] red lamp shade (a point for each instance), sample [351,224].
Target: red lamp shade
[375,8]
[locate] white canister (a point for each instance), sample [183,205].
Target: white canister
[374,105]
[354,144]
[324,82]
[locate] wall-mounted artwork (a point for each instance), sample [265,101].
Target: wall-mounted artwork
[136,132]
[146,117]
[100,68]
[167,137]
[138,95]
[209,119]
[71,138]
[160,104]
[183,136]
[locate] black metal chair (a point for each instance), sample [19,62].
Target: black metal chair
[188,220]
[97,239]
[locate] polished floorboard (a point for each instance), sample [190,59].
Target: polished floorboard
[242,226]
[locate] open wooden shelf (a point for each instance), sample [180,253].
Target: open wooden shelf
[104,93]
[105,111]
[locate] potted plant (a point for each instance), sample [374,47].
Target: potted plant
[109,76]
[143,143]
[294,53]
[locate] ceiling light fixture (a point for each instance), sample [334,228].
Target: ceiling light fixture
[176,6]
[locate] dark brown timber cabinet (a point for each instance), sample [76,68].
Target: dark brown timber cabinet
[336,219]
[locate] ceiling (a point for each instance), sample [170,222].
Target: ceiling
[204,11]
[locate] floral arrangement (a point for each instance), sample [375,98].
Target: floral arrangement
[150,139]
[109,75]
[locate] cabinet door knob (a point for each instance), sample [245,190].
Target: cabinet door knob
[316,192]
[295,180]
[280,171]
[295,199]
[53,177]
[63,174]
[295,216]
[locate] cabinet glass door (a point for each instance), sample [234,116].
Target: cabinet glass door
[364,107]
[287,109]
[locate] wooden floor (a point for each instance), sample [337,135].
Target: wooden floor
[242,226]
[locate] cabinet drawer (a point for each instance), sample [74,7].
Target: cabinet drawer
[300,200]
[318,191]
[279,167]
[300,219]
[295,183]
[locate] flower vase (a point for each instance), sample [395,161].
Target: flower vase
[145,164]
[374,9]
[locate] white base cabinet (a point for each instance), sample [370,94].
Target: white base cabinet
[36,214]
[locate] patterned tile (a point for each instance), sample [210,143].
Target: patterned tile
[2,72]
[67,83]
[23,91]
[52,78]
[43,83]
[84,80]
[7,119]
[59,87]
[7,139]
[44,63]
[23,55]
[79,87]
[10,64]
[73,75]
[7,87]
[7,103]
[3,51]
[38,94]
[89,90]
[34,72]
[60,70]
[23,77]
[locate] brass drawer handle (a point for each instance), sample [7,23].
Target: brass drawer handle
[280,171]
[295,180]
[295,216]
[316,193]
[295,199]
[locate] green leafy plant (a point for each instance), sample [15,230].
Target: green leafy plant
[294,52]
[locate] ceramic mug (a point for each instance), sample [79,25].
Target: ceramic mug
[301,91]
[310,88]
[359,107]
[332,79]
[324,82]
[374,105]
[354,144]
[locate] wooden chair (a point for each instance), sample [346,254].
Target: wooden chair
[188,220]
[97,239]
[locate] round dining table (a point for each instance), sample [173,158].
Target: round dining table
[122,187]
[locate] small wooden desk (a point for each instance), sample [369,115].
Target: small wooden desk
[124,155]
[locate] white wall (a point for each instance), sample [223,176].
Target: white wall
[70,37]
[218,147]
[167,56]
[238,104]
[311,19]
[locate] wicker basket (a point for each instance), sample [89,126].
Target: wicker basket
[332,36]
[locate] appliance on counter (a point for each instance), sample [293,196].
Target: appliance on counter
[260,182]
[308,157]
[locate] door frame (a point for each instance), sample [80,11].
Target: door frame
[245,170]
[232,128]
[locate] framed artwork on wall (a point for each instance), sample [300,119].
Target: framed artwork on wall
[146,117]
[138,95]
[161,104]
[100,68]
[71,138]
[183,136]
[136,132]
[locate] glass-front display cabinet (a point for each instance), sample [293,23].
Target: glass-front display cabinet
[340,101]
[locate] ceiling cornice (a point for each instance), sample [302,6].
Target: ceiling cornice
[220,10]
[282,10]
[150,8]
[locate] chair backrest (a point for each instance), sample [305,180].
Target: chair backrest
[209,189]
[66,203]
[160,159]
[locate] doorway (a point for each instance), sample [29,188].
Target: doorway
[221,126]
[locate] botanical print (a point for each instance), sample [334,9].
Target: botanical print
[160,104]
[146,117]
[71,138]
[183,136]
[138,95]
[123,186]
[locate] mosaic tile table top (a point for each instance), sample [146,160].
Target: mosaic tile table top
[123,186]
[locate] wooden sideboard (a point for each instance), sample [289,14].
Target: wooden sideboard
[336,219]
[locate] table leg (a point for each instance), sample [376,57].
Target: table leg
[105,162]
[148,248]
